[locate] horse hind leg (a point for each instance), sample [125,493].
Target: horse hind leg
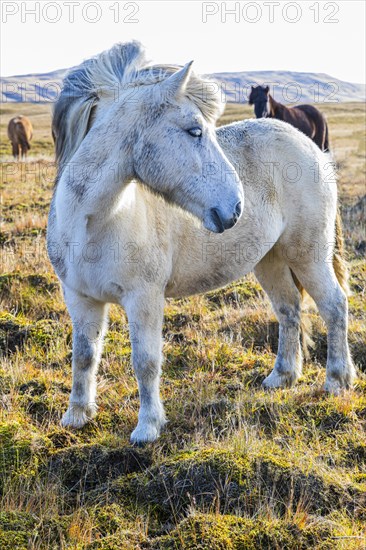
[277,280]
[89,319]
[320,281]
[15,148]
[24,149]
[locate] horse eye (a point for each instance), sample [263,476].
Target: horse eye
[195,132]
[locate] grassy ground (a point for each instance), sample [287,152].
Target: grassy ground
[237,468]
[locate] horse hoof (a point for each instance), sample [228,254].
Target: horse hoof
[142,435]
[275,380]
[333,387]
[77,416]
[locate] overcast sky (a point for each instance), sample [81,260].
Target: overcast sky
[326,37]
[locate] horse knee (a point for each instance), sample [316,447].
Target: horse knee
[147,367]
[83,351]
[290,315]
[334,312]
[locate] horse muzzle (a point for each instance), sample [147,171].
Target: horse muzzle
[217,221]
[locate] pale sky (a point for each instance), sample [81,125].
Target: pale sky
[311,36]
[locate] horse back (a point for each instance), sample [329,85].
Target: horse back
[311,112]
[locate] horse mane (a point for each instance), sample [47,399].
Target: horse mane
[83,88]
[97,80]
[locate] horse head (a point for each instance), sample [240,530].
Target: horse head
[259,97]
[177,154]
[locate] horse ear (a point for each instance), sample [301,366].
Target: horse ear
[176,83]
[266,89]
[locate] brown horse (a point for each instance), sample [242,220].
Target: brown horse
[20,132]
[304,117]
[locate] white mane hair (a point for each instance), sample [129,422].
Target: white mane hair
[96,81]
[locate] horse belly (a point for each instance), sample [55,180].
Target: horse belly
[218,276]
[214,261]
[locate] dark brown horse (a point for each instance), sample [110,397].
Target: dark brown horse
[20,132]
[304,117]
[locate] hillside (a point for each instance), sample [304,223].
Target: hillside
[289,87]
[237,468]
[31,88]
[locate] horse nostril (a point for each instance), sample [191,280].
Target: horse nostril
[221,222]
[215,215]
[238,209]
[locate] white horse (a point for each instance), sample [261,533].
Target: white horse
[123,130]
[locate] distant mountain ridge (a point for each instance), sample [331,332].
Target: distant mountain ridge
[286,86]
[290,87]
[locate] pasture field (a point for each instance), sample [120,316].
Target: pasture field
[237,468]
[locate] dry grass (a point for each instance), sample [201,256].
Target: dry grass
[237,467]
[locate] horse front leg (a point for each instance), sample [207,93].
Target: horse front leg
[89,319]
[145,312]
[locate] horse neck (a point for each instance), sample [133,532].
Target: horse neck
[275,108]
[96,176]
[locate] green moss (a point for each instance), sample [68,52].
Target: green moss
[16,331]
[21,452]
[128,540]
[32,295]
[118,344]
[110,518]
[13,540]
[231,480]
[236,293]
[62,438]
[41,400]
[41,284]
[223,461]
[52,533]
[86,467]
[21,530]
[15,530]
[223,532]
[15,453]
[5,382]
[199,476]
[16,521]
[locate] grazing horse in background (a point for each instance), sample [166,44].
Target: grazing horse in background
[20,132]
[146,193]
[304,117]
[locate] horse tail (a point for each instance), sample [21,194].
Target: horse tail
[321,132]
[326,138]
[84,87]
[339,261]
